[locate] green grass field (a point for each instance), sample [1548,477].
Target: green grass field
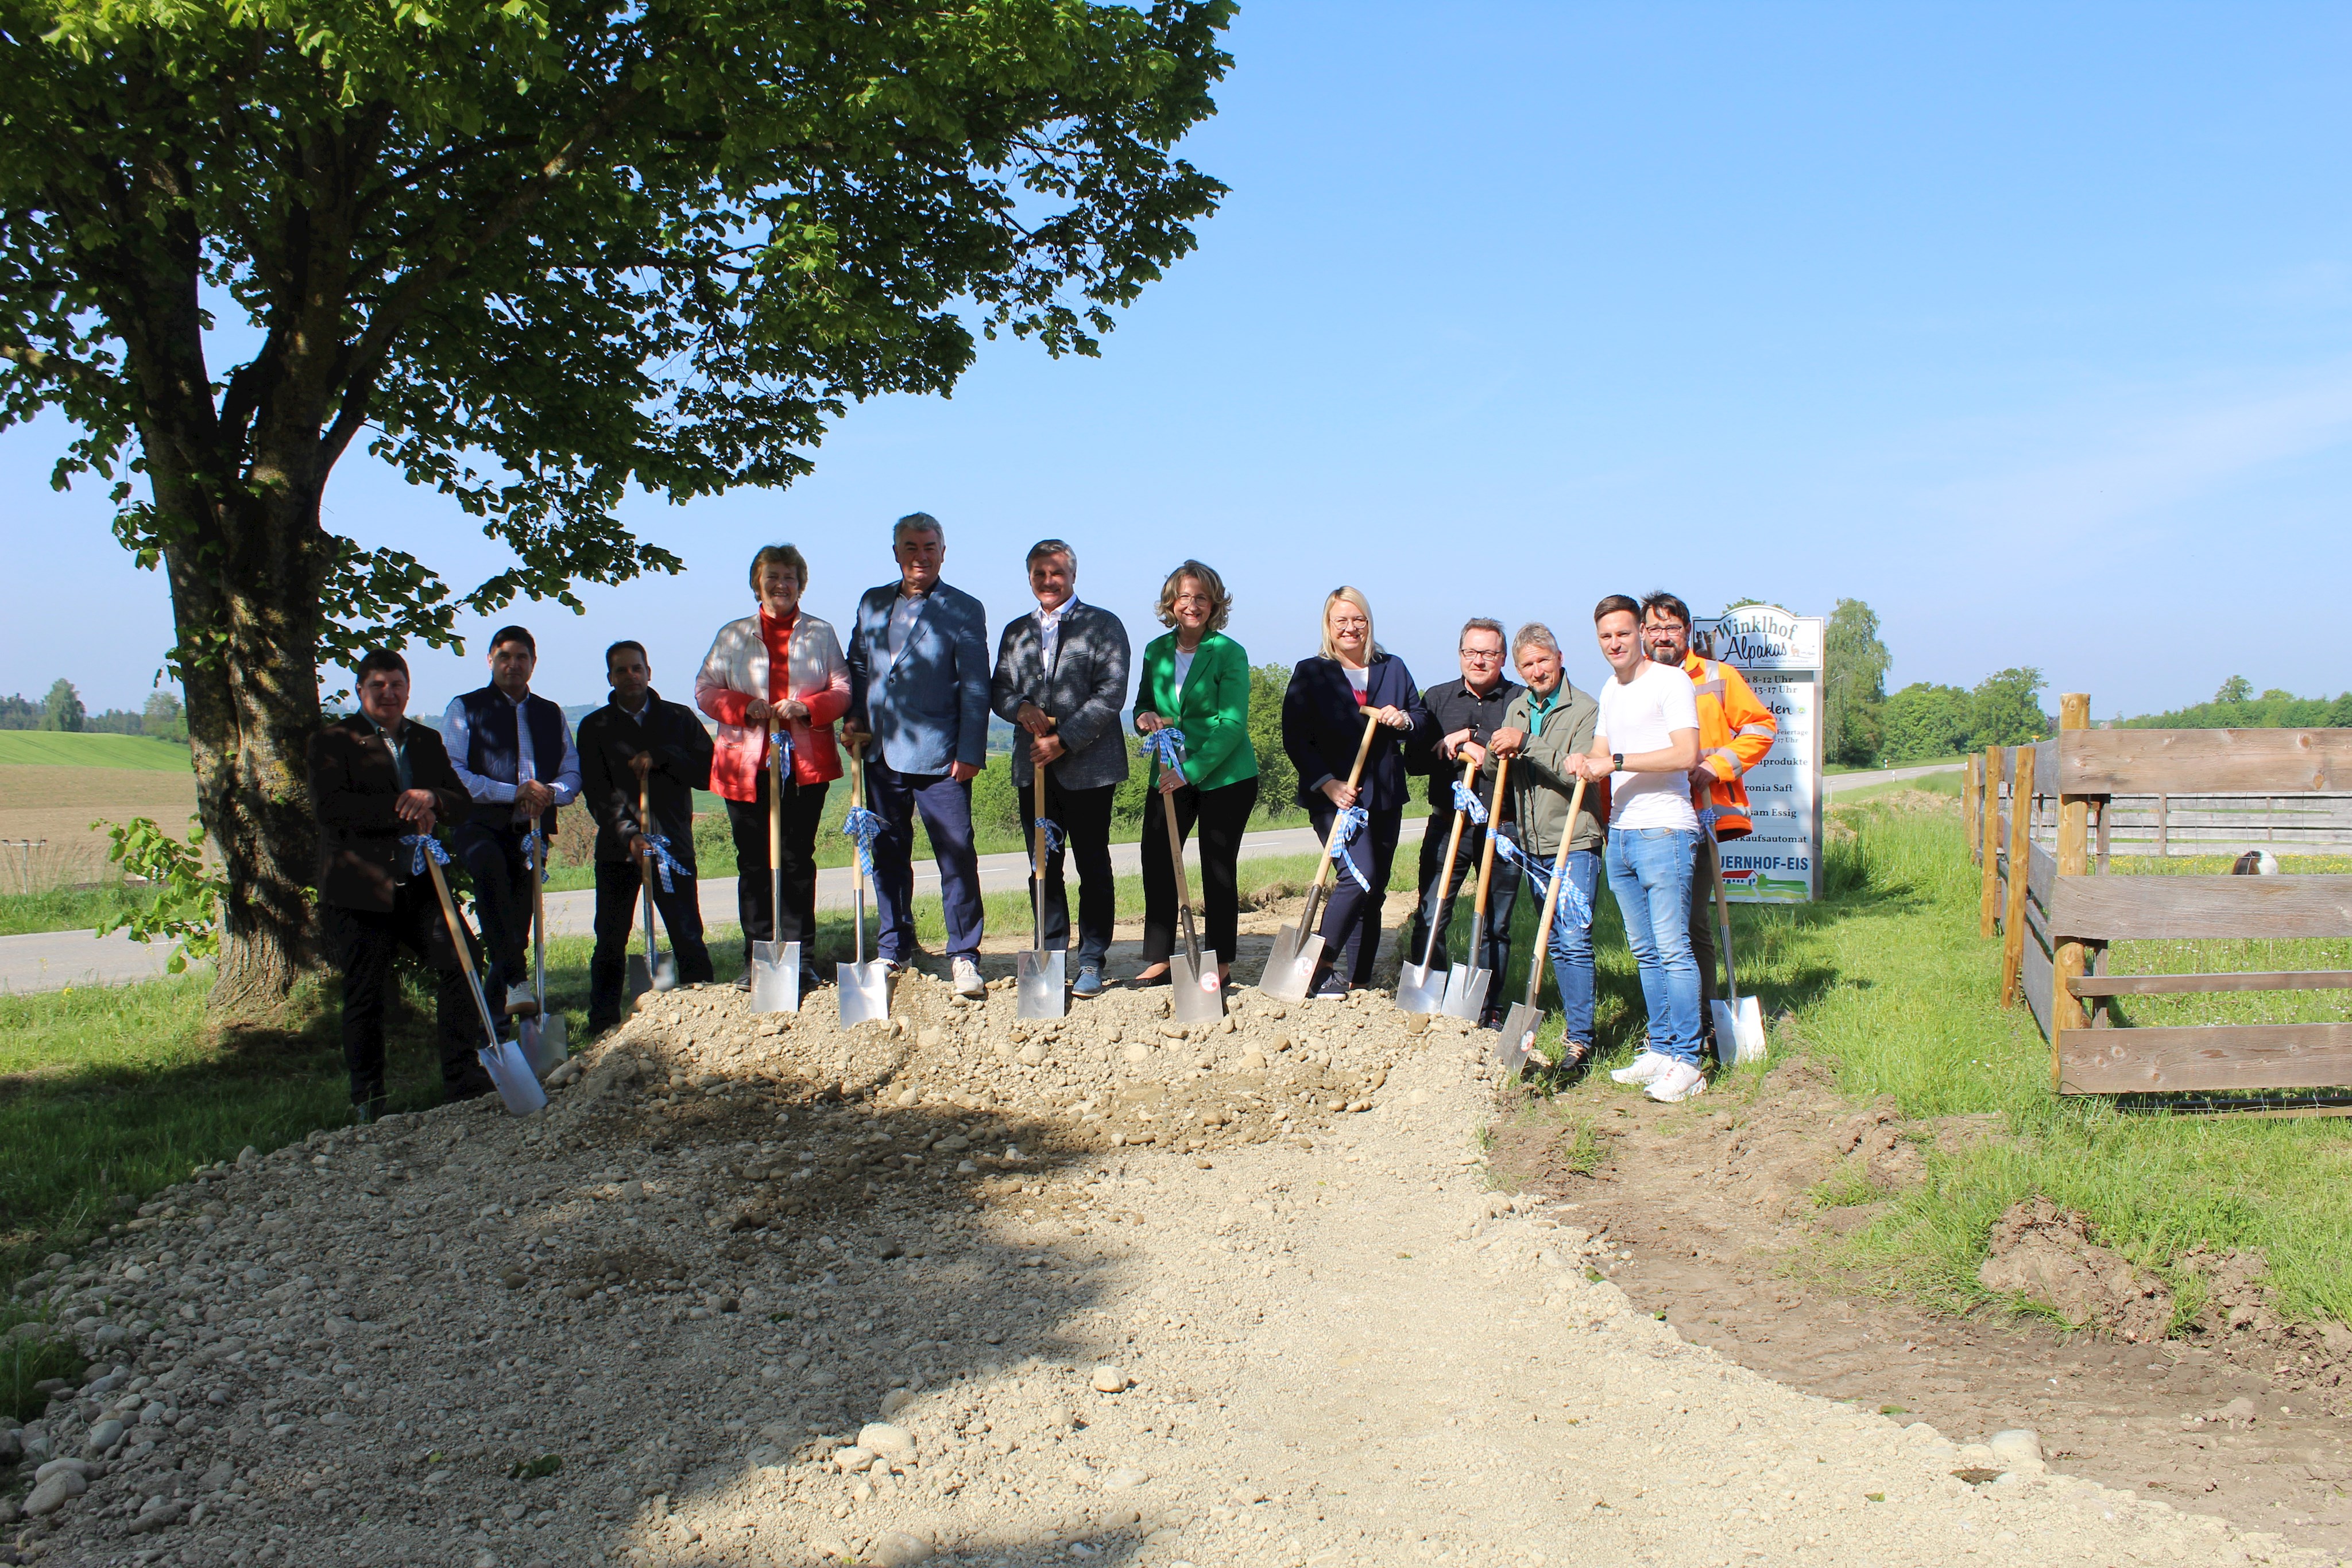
[49,748]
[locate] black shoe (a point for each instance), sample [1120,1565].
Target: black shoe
[743,984]
[1165,977]
[366,1111]
[811,980]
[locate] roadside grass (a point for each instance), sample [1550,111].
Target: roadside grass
[69,908]
[1888,985]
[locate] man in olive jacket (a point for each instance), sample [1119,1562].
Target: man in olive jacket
[1545,725]
[376,777]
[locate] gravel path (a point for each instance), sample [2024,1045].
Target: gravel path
[756,1291]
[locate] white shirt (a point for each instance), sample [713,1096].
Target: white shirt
[1049,628]
[1183,667]
[1360,681]
[903,612]
[457,734]
[1642,716]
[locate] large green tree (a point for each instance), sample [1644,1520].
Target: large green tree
[1853,683]
[532,254]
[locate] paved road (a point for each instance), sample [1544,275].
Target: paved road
[52,961]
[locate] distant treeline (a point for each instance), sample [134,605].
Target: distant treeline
[62,711]
[2236,707]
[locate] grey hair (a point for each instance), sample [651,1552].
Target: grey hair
[916,523]
[1536,634]
[1478,623]
[1045,548]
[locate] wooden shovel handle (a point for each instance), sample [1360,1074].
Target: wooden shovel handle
[855,742]
[1363,749]
[1551,895]
[1446,876]
[465,951]
[1036,828]
[1486,858]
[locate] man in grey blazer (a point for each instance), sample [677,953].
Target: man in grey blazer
[918,685]
[1061,677]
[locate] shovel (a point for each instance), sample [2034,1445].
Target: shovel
[1039,993]
[864,986]
[1298,949]
[1740,1022]
[501,1058]
[1420,989]
[543,1037]
[656,970]
[1196,994]
[1466,984]
[775,966]
[1519,1025]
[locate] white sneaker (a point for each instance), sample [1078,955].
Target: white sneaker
[1646,1068]
[1680,1081]
[966,975]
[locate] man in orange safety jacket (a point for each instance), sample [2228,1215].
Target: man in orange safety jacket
[1735,731]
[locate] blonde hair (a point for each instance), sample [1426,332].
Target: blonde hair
[1354,595]
[1210,584]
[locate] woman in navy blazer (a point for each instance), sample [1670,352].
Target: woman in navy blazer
[1323,716]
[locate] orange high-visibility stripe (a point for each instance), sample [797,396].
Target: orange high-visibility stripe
[1735,731]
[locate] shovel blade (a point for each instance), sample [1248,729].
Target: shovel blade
[865,992]
[542,1043]
[641,976]
[775,976]
[1194,993]
[1739,1030]
[512,1076]
[1421,989]
[1466,991]
[1038,990]
[1516,1041]
[1290,967]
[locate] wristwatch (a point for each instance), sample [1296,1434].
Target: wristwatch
[1617,761]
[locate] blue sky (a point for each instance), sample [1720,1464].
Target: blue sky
[2031,326]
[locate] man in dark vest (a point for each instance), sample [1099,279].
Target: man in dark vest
[375,778]
[513,753]
[639,743]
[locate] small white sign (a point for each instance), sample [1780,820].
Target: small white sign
[1781,656]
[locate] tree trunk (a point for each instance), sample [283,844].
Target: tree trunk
[245,586]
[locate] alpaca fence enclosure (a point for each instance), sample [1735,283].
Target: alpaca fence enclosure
[2046,821]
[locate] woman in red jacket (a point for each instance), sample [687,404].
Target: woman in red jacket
[779,670]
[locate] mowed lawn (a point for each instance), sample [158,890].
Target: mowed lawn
[52,787]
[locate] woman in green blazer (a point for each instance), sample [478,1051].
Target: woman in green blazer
[1196,680]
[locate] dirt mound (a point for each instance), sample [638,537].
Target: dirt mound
[2045,1254]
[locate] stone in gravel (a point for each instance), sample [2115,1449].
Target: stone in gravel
[104,1436]
[855,1458]
[1033,1055]
[898,1399]
[1123,1479]
[882,1437]
[1109,1379]
[896,1549]
[82,1467]
[2019,1449]
[1136,1053]
[54,1493]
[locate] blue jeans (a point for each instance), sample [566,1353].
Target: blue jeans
[1650,872]
[1572,947]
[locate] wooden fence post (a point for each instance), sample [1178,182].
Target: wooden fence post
[1972,802]
[1988,903]
[2021,852]
[2073,860]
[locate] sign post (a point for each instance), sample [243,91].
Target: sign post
[1781,656]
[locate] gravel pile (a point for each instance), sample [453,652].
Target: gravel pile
[762,1290]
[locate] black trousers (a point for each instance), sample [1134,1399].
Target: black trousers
[363,942]
[1502,893]
[1352,917]
[748,822]
[492,857]
[618,885]
[1221,815]
[1702,934]
[1083,817]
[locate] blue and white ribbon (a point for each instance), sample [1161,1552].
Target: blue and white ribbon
[534,851]
[784,743]
[1572,902]
[1164,746]
[1344,827]
[665,862]
[1051,831]
[419,846]
[1468,803]
[863,827]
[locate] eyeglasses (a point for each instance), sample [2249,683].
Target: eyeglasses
[1483,656]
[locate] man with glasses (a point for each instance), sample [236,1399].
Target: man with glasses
[1734,730]
[1462,717]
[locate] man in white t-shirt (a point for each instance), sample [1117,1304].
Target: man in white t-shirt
[1646,744]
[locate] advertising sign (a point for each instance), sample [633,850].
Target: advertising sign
[1781,656]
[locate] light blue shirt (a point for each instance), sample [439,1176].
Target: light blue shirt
[458,736]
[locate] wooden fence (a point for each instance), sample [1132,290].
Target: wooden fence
[2043,820]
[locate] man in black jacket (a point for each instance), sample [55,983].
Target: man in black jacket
[636,742]
[1462,717]
[375,778]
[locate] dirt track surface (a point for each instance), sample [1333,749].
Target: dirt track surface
[1136,1298]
